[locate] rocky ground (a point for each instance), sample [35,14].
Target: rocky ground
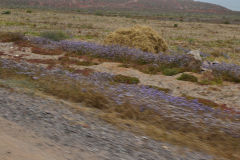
[40,127]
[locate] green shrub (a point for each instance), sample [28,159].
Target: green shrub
[226,22]
[151,69]
[54,35]
[187,77]
[171,71]
[125,79]
[6,12]
[166,90]
[87,26]
[28,11]
[217,81]
[175,25]
[99,13]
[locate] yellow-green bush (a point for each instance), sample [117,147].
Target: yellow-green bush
[141,37]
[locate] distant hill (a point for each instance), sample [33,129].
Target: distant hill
[133,5]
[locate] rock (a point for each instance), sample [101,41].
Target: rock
[237,49]
[196,54]
[215,62]
[205,66]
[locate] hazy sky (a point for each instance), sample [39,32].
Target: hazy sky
[231,4]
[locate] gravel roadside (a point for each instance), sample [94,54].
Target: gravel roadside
[81,133]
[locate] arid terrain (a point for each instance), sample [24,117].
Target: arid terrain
[134,5]
[37,127]
[221,41]
[76,98]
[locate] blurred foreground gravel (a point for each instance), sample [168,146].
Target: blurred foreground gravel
[78,133]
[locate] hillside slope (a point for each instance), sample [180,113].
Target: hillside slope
[146,5]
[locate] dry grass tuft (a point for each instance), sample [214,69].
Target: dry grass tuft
[10,37]
[166,90]
[141,37]
[126,79]
[188,77]
[203,101]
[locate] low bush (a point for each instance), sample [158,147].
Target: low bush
[187,77]
[6,12]
[54,35]
[172,71]
[175,25]
[148,63]
[227,22]
[228,72]
[123,54]
[211,82]
[125,79]
[166,90]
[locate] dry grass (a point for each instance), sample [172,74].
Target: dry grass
[10,37]
[150,124]
[130,117]
[209,38]
[203,101]
[187,77]
[210,103]
[43,51]
[125,79]
[141,37]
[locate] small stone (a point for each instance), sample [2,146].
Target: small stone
[215,62]
[165,147]
[196,54]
